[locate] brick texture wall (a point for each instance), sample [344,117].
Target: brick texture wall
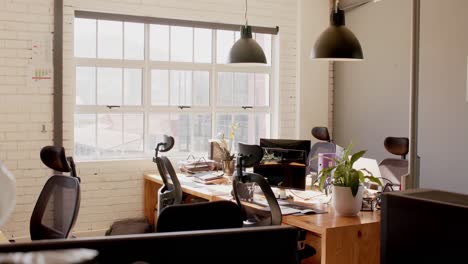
[110,190]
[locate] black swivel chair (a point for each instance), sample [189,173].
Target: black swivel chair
[325,145]
[392,169]
[171,191]
[248,156]
[58,204]
[244,184]
[199,216]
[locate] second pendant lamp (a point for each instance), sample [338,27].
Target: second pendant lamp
[337,42]
[246,49]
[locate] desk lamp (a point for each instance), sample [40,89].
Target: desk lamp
[7,193]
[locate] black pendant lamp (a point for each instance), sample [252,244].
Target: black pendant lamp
[337,42]
[246,49]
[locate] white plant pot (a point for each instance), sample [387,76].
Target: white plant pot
[344,202]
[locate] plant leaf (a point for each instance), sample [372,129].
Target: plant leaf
[373,179]
[357,156]
[361,176]
[354,182]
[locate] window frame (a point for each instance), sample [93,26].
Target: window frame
[146,108]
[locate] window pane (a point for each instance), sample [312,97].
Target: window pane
[181,44]
[181,88]
[109,86]
[159,87]
[85,38]
[223,125]
[262,89]
[202,45]
[159,125]
[181,131]
[264,40]
[133,134]
[134,41]
[85,85]
[109,134]
[132,86]
[109,39]
[243,89]
[262,126]
[242,132]
[85,135]
[201,88]
[225,86]
[224,42]
[159,42]
[201,131]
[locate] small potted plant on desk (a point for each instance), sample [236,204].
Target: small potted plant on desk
[346,182]
[227,157]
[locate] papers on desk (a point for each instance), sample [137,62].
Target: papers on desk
[208,175]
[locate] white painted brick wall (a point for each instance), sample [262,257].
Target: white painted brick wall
[23,109]
[110,190]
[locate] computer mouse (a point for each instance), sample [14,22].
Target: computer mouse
[308,211]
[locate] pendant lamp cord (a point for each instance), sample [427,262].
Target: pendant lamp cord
[336,6]
[245,14]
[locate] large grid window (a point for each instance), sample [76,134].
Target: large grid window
[136,82]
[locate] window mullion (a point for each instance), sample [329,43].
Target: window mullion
[146,93]
[213,83]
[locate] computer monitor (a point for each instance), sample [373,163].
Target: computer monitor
[285,162]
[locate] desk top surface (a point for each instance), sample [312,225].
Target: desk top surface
[3,239]
[316,223]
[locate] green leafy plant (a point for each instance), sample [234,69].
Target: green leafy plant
[343,174]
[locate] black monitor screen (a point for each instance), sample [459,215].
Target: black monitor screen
[287,149]
[284,162]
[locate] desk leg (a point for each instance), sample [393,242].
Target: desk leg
[357,244]
[151,199]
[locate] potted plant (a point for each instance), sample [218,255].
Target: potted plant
[225,145]
[346,182]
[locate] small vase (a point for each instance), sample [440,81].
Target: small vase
[228,167]
[343,201]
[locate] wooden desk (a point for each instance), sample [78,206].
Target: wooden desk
[3,239]
[337,239]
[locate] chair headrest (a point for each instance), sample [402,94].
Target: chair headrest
[397,145]
[253,154]
[54,157]
[167,143]
[321,133]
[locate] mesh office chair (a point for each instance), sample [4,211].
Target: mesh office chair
[58,204]
[199,216]
[171,191]
[325,145]
[393,169]
[243,188]
[244,184]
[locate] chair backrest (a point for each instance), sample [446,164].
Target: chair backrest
[56,208]
[325,145]
[244,185]
[255,213]
[171,192]
[199,216]
[393,169]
